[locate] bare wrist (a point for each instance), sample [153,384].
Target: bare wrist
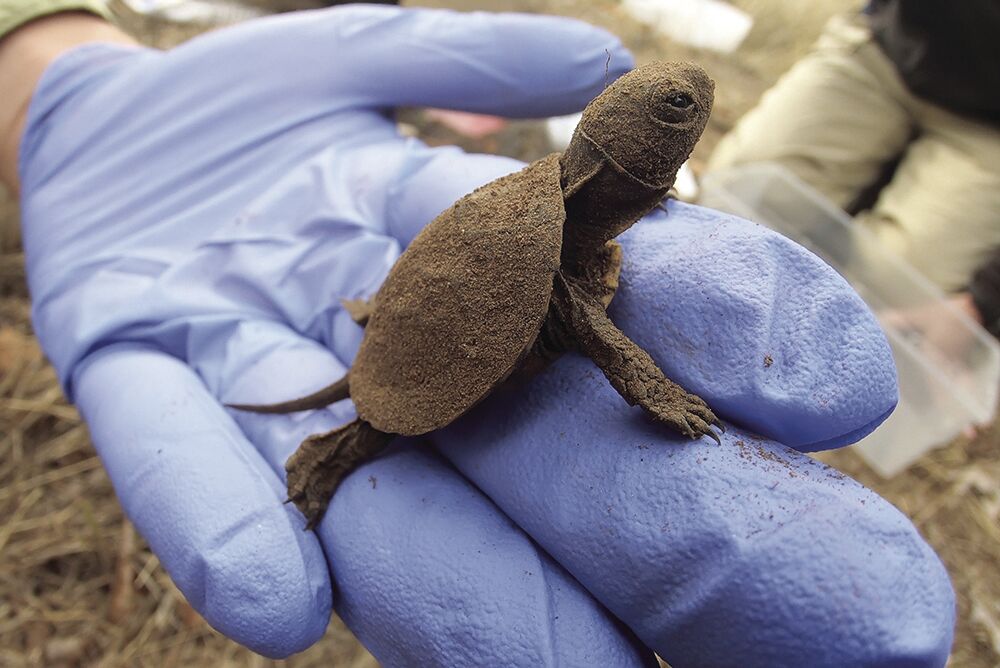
[24,55]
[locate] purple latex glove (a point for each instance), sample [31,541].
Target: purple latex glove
[191,221]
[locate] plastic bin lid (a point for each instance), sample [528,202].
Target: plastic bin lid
[949,367]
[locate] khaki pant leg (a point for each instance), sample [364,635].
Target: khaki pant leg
[942,209]
[835,119]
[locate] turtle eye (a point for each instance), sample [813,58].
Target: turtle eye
[673,106]
[679,100]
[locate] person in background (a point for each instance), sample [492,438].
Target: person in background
[895,117]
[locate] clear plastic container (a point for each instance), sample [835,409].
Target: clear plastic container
[949,367]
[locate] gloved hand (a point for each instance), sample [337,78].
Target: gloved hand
[192,220]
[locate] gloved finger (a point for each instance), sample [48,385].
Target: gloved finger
[762,329]
[742,554]
[427,571]
[409,539]
[207,503]
[365,56]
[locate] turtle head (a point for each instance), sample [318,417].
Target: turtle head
[649,120]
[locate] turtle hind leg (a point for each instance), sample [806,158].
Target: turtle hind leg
[316,469]
[332,393]
[629,368]
[360,310]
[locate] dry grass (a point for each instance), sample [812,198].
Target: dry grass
[77,587]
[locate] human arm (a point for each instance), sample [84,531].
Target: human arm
[943,51]
[25,52]
[207,499]
[197,252]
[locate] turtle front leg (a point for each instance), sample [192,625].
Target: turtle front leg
[629,368]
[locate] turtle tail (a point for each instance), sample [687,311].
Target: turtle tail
[323,460]
[319,399]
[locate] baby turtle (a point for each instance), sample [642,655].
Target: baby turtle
[510,277]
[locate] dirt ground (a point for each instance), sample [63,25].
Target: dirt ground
[78,587]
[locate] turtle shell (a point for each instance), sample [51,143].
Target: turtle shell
[463,303]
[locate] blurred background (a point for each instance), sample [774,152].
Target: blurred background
[79,587]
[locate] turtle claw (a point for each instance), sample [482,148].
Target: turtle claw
[313,521]
[312,514]
[312,505]
[312,511]
[710,419]
[689,415]
[714,421]
[698,427]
